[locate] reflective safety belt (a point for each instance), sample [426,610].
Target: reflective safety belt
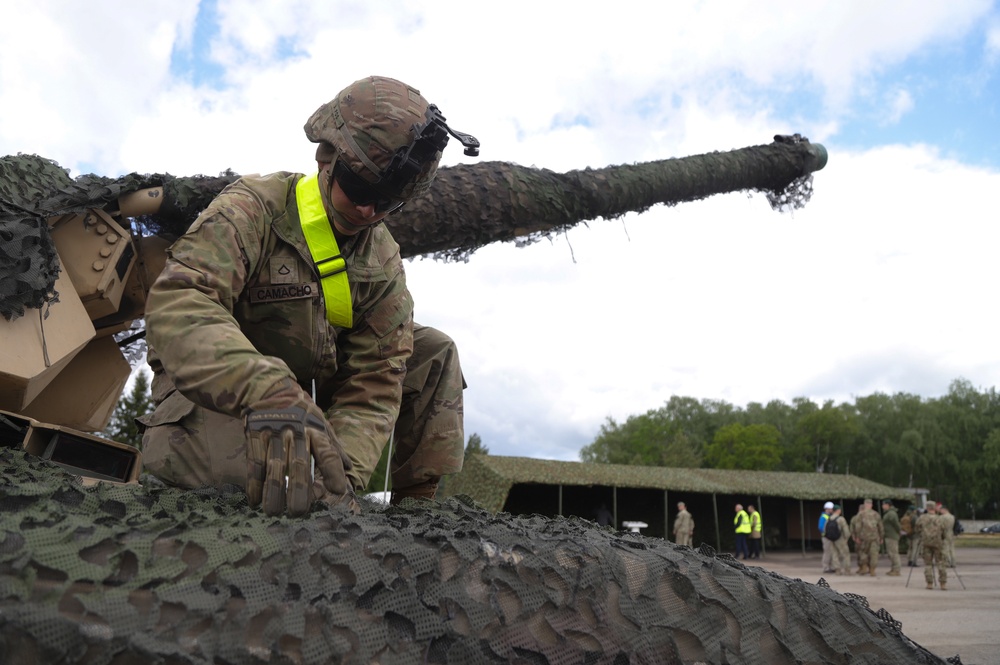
[325,252]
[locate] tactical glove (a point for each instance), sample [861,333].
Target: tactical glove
[285,430]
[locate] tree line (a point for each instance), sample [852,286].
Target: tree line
[949,444]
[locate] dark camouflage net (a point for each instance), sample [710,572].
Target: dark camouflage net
[33,188]
[468,207]
[147,574]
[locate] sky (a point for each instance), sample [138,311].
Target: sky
[882,283]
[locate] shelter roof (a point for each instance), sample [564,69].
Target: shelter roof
[489,478]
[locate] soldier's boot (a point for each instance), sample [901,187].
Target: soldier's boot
[930,585]
[425,490]
[871,571]
[862,570]
[944,586]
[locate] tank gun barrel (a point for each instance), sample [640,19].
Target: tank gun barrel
[473,205]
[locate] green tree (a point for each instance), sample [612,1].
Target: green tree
[137,402]
[475,446]
[752,447]
[651,439]
[827,437]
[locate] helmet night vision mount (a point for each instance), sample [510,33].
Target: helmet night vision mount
[409,161]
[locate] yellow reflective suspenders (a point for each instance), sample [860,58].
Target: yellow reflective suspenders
[325,252]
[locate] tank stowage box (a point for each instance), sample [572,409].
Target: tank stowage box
[98,255]
[37,346]
[85,394]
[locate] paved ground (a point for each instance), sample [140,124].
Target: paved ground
[962,621]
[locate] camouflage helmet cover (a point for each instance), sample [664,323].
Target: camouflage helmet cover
[366,123]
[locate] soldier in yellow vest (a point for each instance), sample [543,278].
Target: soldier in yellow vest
[756,531]
[741,523]
[281,330]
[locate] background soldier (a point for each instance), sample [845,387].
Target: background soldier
[741,524]
[841,552]
[683,526]
[931,530]
[948,520]
[756,531]
[868,537]
[824,517]
[891,528]
[908,524]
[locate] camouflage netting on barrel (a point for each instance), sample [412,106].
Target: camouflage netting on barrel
[149,574]
[469,206]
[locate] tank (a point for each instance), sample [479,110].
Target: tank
[97,567]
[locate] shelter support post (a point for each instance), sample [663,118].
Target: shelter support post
[560,500]
[718,534]
[802,525]
[666,516]
[760,509]
[614,505]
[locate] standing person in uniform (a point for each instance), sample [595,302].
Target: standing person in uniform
[891,529]
[683,526]
[856,539]
[870,538]
[948,520]
[931,530]
[289,283]
[913,547]
[756,531]
[742,526]
[824,517]
[841,552]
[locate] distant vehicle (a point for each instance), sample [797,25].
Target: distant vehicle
[993,528]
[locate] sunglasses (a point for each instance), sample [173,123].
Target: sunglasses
[361,192]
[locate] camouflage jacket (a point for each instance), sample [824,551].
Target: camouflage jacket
[238,307]
[931,530]
[906,524]
[869,526]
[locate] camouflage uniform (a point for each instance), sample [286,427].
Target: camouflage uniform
[841,553]
[869,535]
[949,538]
[861,554]
[238,308]
[908,525]
[683,528]
[891,528]
[931,529]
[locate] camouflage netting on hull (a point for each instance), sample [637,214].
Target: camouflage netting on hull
[148,574]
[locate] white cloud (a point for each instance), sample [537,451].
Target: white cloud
[879,284]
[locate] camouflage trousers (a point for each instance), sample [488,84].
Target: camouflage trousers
[934,557]
[868,554]
[842,556]
[892,549]
[189,446]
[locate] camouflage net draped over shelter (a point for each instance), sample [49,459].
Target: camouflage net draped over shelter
[468,207]
[149,574]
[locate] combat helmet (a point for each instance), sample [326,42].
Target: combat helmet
[384,139]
